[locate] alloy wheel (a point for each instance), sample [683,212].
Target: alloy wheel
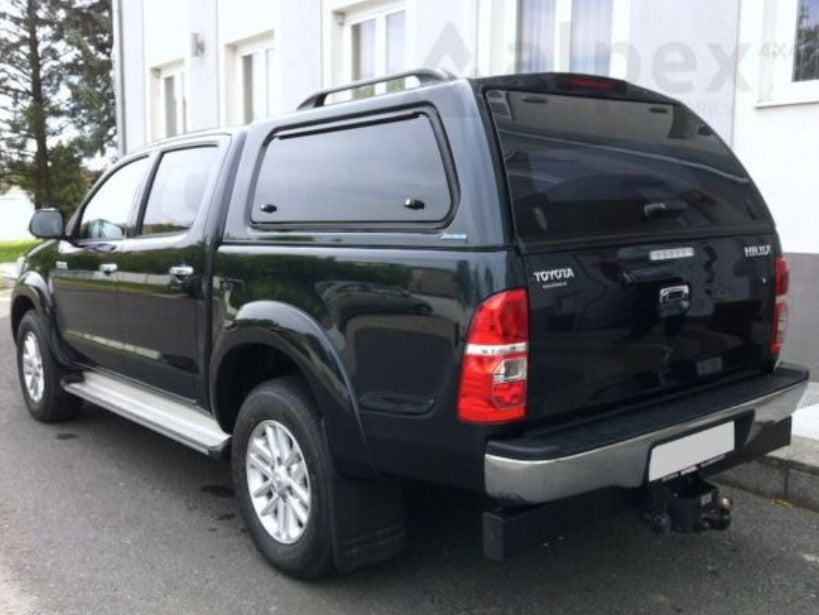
[33,373]
[278,481]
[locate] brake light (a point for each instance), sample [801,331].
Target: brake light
[495,362]
[592,83]
[780,315]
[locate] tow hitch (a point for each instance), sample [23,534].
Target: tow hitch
[687,504]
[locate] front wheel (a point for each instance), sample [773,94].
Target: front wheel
[40,375]
[281,473]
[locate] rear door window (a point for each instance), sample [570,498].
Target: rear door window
[177,190]
[379,172]
[581,167]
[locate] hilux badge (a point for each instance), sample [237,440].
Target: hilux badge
[759,250]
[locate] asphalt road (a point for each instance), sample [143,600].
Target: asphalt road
[102,516]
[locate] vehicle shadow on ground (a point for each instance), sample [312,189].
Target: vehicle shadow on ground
[601,568]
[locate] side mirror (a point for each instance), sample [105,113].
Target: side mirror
[47,224]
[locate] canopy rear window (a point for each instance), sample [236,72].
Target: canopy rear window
[582,167]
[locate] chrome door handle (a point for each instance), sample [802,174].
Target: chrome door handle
[181,271]
[108,268]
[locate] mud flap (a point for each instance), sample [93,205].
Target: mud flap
[368,521]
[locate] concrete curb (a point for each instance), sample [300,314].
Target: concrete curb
[790,474]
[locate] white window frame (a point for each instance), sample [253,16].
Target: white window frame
[379,13]
[562,36]
[176,71]
[497,36]
[778,58]
[266,51]
[235,52]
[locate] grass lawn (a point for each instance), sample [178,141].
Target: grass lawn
[10,250]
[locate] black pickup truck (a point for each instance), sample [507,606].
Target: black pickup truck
[561,291]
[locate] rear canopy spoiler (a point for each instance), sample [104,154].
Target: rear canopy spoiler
[576,84]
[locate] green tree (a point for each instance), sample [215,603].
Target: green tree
[86,29]
[71,180]
[56,94]
[30,80]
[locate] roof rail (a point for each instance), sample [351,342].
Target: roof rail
[425,76]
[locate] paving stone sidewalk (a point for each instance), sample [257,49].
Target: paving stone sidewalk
[791,473]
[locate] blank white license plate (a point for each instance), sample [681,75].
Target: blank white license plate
[690,451]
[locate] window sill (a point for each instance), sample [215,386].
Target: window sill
[790,99]
[769,104]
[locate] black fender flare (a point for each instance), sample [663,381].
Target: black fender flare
[32,287]
[298,336]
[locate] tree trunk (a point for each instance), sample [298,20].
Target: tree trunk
[42,193]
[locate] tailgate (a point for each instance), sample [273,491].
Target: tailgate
[623,323]
[649,252]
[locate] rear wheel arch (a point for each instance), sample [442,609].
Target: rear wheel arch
[287,341]
[240,370]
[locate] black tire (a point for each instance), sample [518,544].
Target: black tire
[287,401]
[54,405]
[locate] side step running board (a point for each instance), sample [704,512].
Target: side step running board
[176,420]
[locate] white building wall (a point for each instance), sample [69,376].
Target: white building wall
[132,70]
[241,23]
[775,136]
[446,35]
[686,50]
[201,56]
[164,29]
[300,51]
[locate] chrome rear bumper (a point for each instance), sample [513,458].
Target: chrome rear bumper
[623,463]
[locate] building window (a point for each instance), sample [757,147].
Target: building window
[377,46]
[396,24]
[789,57]
[251,79]
[564,35]
[257,84]
[172,102]
[536,36]
[363,51]
[591,36]
[806,48]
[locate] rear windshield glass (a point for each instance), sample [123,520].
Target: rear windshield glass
[589,167]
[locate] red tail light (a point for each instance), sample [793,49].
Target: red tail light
[495,363]
[780,315]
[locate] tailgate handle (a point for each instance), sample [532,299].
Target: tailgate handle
[678,294]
